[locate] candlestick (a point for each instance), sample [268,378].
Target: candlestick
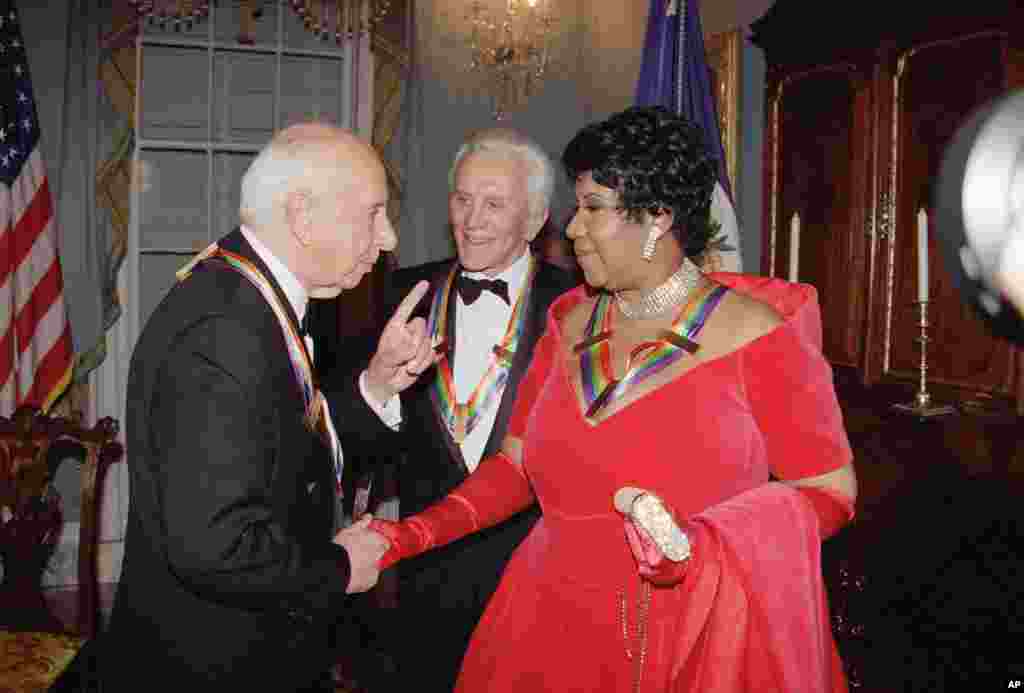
[794,248]
[922,256]
[922,405]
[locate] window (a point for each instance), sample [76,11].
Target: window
[206,105]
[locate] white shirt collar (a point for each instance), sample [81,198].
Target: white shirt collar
[514,275]
[285,278]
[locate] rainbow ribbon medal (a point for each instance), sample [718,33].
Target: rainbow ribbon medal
[646,359]
[316,411]
[461,418]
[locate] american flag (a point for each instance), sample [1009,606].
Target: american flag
[36,353]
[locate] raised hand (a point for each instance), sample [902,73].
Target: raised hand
[365,549]
[404,350]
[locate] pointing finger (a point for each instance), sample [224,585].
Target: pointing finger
[409,303]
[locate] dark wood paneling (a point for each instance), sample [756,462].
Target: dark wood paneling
[938,85]
[809,32]
[855,134]
[821,169]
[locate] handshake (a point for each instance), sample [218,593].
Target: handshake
[365,548]
[373,545]
[660,546]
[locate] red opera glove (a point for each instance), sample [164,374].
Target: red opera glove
[496,491]
[659,544]
[649,530]
[833,509]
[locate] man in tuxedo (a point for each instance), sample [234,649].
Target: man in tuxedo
[235,574]
[486,308]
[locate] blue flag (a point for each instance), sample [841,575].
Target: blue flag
[674,73]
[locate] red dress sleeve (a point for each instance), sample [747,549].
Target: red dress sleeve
[790,389]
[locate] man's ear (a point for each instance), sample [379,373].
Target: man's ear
[298,213]
[535,223]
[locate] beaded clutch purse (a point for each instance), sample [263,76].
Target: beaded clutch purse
[649,513]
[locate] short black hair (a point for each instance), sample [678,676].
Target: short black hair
[656,161]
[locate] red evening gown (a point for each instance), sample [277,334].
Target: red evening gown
[751,613]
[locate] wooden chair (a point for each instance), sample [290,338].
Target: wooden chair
[35,645]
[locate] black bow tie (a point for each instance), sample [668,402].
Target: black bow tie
[305,324]
[470,289]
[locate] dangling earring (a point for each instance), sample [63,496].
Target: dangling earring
[652,238]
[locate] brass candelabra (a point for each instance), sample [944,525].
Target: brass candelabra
[922,405]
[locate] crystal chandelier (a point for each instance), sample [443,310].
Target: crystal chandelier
[511,49]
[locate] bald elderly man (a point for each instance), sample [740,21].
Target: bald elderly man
[235,572]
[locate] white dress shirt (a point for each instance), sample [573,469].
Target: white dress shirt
[478,329]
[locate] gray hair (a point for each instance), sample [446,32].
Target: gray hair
[540,184]
[288,163]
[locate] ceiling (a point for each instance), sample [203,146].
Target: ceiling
[717,16]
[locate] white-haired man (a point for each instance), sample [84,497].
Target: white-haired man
[486,309]
[234,572]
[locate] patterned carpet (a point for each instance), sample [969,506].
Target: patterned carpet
[30,661]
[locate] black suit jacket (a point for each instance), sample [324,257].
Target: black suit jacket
[230,579]
[447,589]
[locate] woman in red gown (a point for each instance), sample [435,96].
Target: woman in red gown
[709,391]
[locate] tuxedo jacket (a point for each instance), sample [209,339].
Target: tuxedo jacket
[230,579]
[449,587]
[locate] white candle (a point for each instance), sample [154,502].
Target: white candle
[922,256]
[794,248]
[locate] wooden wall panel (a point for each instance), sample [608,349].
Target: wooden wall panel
[937,85]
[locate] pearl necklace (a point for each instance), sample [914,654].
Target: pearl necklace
[670,294]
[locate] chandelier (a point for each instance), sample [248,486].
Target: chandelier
[511,49]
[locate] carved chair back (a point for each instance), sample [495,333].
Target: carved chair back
[32,447]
